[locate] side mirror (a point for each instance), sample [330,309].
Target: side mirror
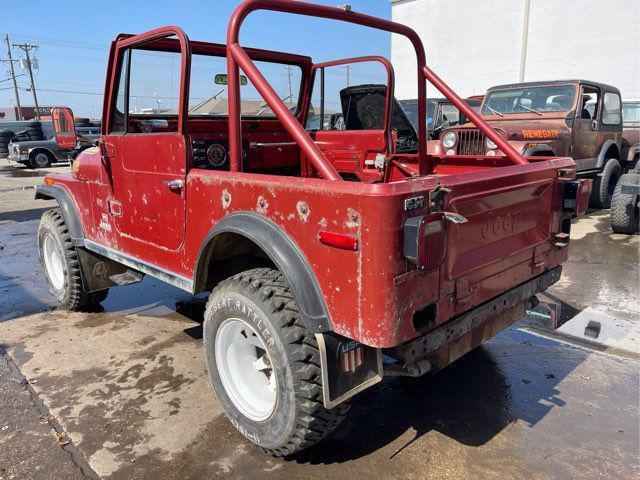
[64,128]
[223,79]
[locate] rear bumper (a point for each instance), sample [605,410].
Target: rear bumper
[444,344]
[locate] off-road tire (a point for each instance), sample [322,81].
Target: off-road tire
[624,206]
[72,295]
[604,184]
[299,418]
[36,159]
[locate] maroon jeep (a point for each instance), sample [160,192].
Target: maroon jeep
[322,249]
[575,118]
[630,133]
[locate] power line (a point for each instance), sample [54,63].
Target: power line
[60,42]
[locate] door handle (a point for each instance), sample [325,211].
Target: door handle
[173,184]
[594,125]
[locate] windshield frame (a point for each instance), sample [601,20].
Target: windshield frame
[168,44]
[484,108]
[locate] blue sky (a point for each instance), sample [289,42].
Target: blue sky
[74,38]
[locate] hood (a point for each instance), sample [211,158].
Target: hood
[540,129]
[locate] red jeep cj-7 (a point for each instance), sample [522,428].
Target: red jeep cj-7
[322,249]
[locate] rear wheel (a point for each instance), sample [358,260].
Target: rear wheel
[605,183]
[59,259]
[264,365]
[40,159]
[624,206]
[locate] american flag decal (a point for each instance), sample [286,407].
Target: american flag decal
[351,356]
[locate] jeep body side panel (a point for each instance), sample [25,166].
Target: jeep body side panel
[372,293]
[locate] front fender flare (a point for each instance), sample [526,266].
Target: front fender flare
[68,208]
[283,252]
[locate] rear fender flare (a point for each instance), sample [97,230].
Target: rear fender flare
[603,152]
[283,252]
[68,208]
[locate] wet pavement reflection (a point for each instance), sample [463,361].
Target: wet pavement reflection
[129,385]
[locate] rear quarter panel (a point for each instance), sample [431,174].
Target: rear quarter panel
[372,293]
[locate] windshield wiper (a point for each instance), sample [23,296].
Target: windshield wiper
[494,111]
[531,110]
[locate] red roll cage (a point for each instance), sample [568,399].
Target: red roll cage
[237,58]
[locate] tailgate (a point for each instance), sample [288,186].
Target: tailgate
[509,212]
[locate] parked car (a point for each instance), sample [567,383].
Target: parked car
[321,249]
[441,113]
[43,153]
[577,118]
[630,133]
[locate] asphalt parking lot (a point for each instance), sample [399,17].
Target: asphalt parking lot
[123,392]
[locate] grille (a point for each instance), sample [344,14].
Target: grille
[471,142]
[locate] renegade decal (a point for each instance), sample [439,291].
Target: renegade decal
[538,134]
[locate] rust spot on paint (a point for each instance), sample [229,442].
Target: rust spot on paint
[353,218]
[303,210]
[263,205]
[226,199]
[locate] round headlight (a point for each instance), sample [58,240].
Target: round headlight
[490,144]
[449,139]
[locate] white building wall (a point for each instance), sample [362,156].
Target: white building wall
[475,44]
[591,39]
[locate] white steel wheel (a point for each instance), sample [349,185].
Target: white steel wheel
[59,259]
[53,261]
[245,369]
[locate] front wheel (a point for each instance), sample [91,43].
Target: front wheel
[59,259]
[40,159]
[264,365]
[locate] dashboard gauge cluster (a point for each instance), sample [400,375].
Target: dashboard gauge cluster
[216,155]
[213,154]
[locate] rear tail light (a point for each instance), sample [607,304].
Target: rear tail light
[575,199]
[424,241]
[584,193]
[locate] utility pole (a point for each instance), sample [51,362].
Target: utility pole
[525,40]
[288,74]
[348,67]
[26,48]
[13,76]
